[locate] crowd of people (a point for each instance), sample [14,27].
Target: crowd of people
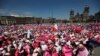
[49,39]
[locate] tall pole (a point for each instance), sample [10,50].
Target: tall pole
[52,13]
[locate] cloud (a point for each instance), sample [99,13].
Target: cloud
[27,14]
[15,13]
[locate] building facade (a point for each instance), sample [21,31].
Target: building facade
[71,15]
[97,16]
[83,17]
[8,20]
[86,13]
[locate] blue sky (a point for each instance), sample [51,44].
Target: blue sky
[45,8]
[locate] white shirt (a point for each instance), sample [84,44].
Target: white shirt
[44,47]
[58,48]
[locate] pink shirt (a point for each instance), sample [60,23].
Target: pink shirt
[55,54]
[46,54]
[83,53]
[67,51]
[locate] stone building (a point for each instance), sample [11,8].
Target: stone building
[86,13]
[97,16]
[71,15]
[80,17]
[7,20]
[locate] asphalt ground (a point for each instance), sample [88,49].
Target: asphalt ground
[96,51]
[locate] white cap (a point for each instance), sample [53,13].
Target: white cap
[6,33]
[80,45]
[68,43]
[1,48]
[63,40]
[7,53]
[27,41]
[42,42]
[77,43]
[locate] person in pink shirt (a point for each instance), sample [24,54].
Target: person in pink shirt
[54,53]
[46,53]
[17,52]
[67,51]
[82,50]
[27,49]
